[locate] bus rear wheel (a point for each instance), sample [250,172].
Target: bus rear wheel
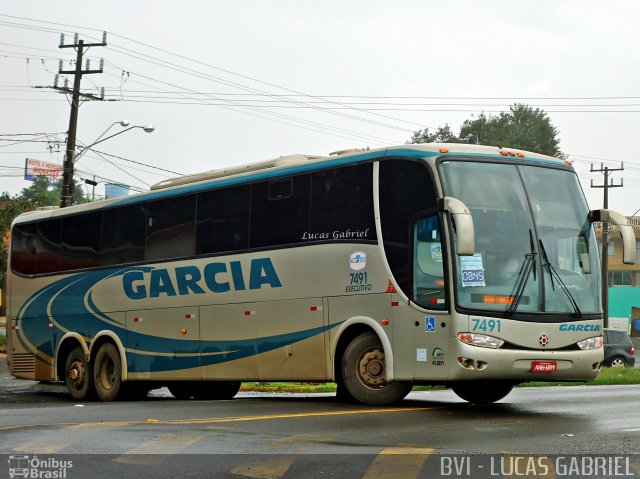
[78,375]
[364,375]
[482,392]
[107,372]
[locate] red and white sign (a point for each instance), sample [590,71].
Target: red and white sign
[544,366]
[33,168]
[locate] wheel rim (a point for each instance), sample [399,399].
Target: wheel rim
[77,373]
[107,373]
[371,369]
[617,363]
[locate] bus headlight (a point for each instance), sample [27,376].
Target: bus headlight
[481,340]
[591,343]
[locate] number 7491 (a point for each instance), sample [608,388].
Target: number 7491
[487,325]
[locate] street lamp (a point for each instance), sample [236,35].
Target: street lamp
[122,123]
[66,197]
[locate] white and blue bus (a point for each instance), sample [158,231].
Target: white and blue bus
[473,267]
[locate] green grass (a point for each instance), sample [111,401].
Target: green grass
[279,387]
[606,376]
[3,344]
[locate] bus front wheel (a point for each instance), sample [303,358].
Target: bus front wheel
[482,392]
[78,375]
[107,372]
[364,375]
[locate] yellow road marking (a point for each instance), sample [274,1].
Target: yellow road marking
[40,446]
[213,420]
[398,463]
[232,419]
[158,450]
[266,468]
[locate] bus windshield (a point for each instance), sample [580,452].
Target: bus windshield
[535,249]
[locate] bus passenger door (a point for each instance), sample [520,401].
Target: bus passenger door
[421,334]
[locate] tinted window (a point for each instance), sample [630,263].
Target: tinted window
[23,248]
[123,235]
[342,204]
[223,220]
[48,246]
[279,212]
[171,228]
[405,189]
[80,241]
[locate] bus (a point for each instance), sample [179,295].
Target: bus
[473,267]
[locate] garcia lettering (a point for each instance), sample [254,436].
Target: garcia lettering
[214,277]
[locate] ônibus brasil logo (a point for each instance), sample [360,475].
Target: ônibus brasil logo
[50,468]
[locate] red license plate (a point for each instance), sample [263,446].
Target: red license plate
[544,366]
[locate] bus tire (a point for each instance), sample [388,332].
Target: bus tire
[78,375]
[363,373]
[482,392]
[217,390]
[107,373]
[183,389]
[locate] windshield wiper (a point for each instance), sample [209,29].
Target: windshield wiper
[554,273]
[523,275]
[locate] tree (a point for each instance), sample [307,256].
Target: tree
[41,193]
[44,193]
[443,134]
[524,128]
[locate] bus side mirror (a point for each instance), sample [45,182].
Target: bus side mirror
[465,233]
[626,231]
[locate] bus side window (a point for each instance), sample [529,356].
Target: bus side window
[48,246]
[279,212]
[80,246]
[341,201]
[23,248]
[406,189]
[428,265]
[171,228]
[123,235]
[222,224]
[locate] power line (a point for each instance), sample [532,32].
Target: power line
[138,163]
[311,125]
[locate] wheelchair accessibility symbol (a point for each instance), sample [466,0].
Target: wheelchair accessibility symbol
[430,324]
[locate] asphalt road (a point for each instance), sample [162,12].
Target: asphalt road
[276,436]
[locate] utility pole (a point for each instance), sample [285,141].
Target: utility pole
[67,174]
[608,183]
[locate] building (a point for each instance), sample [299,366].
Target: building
[623,279]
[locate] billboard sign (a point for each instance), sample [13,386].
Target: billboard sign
[33,168]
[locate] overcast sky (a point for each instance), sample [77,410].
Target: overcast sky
[224,83]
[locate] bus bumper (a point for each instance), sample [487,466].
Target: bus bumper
[476,363]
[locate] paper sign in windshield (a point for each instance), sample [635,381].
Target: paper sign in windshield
[436,252]
[472,270]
